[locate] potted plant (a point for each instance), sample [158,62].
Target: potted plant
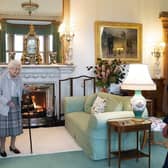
[108,72]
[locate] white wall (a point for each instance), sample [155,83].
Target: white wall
[85,12]
[83,17]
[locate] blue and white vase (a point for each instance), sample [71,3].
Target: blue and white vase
[114,88]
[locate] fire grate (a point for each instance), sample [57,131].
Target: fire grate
[38,105]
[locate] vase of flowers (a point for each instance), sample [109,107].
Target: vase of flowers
[108,71]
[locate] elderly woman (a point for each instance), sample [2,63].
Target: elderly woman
[10,106]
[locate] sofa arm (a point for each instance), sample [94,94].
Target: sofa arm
[100,120]
[73,104]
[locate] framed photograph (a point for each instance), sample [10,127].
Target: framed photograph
[115,40]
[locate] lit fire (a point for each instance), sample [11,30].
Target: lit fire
[38,108]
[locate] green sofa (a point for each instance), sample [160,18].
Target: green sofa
[90,130]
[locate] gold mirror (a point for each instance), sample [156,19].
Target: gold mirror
[118,40]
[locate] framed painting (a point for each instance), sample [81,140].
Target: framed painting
[115,40]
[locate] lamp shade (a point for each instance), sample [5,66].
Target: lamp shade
[138,78]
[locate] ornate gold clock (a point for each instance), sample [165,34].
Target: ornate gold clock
[31,54]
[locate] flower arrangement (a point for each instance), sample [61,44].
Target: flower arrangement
[107,72]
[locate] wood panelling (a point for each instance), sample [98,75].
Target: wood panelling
[164,19]
[157,97]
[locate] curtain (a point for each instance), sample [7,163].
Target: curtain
[24,29]
[2,42]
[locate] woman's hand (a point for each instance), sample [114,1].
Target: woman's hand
[11,104]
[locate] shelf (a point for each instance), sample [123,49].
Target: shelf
[129,154]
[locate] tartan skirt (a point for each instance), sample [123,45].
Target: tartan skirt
[11,125]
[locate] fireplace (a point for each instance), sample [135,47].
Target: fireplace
[42,77]
[38,105]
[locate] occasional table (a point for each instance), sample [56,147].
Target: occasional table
[128,125]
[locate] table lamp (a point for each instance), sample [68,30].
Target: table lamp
[138,79]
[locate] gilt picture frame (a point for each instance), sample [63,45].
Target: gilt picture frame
[117,40]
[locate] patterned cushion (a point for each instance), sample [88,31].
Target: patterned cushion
[98,105]
[113,102]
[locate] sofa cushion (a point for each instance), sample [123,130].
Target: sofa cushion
[126,103]
[79,121]
[89,102]
[77,101]
[113,102]
[98,105]
[113,105]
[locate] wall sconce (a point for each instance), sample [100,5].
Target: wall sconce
[68,50]
[158,50]
[69,36]
[157,53]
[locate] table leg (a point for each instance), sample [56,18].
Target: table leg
[109,145]
[137,143]
[119,149]
[144,139]
[149,146]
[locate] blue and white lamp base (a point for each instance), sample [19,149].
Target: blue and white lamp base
[138,103]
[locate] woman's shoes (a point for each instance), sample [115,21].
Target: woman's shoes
[14,150]
[3,154]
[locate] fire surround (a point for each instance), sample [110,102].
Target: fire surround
[46,74]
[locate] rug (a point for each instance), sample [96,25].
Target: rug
[44,141]
[77,159]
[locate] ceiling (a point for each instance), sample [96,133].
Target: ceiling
[48,9]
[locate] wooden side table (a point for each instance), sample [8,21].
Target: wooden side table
[149,104]
[128,125]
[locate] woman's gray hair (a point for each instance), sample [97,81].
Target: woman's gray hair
[14,63]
